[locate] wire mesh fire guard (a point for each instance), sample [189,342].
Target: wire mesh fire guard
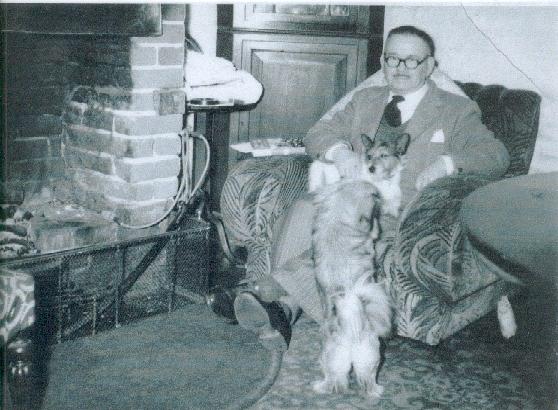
[83,291]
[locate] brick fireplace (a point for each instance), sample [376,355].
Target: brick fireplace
[93,120]
[90,145]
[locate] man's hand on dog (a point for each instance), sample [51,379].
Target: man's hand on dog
[347,162]
[438,169]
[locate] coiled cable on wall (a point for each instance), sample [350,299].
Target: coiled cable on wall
[184,193]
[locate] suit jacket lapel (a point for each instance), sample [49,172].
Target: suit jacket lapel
[426,112]
[375,110]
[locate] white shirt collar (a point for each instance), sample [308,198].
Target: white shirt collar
[411,102]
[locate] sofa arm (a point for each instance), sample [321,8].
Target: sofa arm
[256,193]
[430,246]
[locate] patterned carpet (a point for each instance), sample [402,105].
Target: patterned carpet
[475,369]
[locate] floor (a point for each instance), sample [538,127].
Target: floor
[474,369]
[521,372]
[476,364]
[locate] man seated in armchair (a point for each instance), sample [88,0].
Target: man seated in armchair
[446,137]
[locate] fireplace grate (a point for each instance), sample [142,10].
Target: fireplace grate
[87,290]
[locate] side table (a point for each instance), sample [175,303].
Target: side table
[212,120]
[517,218]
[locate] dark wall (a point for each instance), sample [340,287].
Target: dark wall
[118,19]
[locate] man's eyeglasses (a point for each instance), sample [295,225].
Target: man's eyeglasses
[410,63]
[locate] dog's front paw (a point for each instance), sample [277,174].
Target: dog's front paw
[375,390]
[321,387]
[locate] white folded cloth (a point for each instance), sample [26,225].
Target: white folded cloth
[219,79]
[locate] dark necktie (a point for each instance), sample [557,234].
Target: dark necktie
[392,113]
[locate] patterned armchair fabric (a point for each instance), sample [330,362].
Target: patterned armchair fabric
[439,281]
[17,303]
[255,194]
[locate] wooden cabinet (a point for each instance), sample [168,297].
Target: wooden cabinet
[307,56]
[302,76]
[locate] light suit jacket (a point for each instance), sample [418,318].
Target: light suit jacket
[443,124]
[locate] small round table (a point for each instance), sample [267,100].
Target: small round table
[518,219]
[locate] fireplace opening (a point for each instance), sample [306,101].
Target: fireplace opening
[93,145]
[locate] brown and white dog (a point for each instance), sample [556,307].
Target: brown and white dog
[381,162]
[356,309]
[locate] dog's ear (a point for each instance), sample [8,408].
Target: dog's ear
[366,141]
[402,143]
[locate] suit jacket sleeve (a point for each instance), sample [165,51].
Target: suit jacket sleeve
[326,133]
[474,148]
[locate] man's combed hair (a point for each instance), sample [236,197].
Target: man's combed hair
[412,30]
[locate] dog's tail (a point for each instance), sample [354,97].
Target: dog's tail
[363,308]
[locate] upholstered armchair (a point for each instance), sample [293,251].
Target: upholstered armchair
[439,281]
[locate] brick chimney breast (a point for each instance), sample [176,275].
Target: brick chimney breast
[94,121]
[122,143]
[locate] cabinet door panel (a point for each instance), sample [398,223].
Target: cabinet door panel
[301,80]
[299,88]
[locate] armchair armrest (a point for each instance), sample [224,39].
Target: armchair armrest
[256,193]
[430,245]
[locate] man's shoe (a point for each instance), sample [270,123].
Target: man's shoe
[268,320]
[221,300]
